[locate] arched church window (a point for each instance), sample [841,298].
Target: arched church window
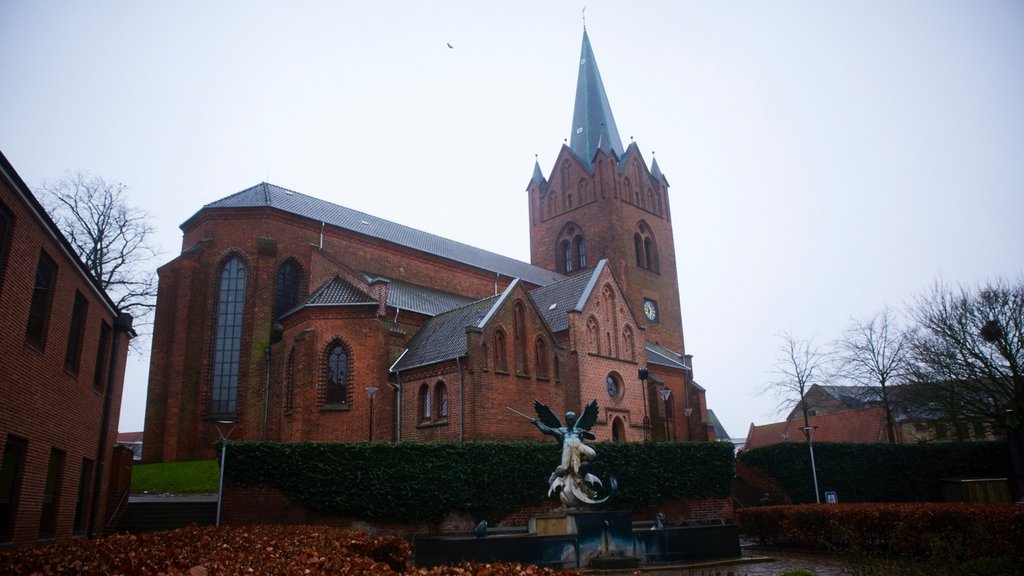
[618,430]
[541,353]
[581,252]
[424,402]
[568,201]
[336,391]
[646,248]
[441,392]
[567,259]
[286,295]
[629,343]
[519,337]
[594,335]
[228,339]
[500,359]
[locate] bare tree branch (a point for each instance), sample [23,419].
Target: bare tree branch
[111,237]
[800,363]
[876,355]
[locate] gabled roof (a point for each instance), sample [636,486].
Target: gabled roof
[715,423]
[661,356]
[267,195]
[866,425]
[555,301]
[853,397]
[337,292]
[593,126]
[443,337]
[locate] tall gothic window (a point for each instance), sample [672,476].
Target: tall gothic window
[519,334]
[646,248]
[581,251]
[441,392]
[42,298]
[542,358]
[228,338]
[336,391]
[572,249]
[425,412]
[567,259]
[286,295]
[500,359]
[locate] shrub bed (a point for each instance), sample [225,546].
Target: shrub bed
[246,550]
[943,532]
[388,481]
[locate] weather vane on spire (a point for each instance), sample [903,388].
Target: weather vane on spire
[584,13]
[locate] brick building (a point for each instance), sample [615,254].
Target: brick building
[304,320]
[61,374]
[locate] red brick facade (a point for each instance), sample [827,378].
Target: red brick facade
[61,375]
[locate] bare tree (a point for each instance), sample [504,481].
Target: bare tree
[972,344]
[876,355]
[111,237]
[800,363]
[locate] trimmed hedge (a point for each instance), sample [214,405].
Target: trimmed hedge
[941,532]
[409,481]
[878,472]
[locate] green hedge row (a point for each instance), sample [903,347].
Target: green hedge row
[878,472]
[942,532]
[409,481]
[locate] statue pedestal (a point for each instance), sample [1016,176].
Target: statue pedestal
[604,538]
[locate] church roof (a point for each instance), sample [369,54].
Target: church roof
[337,292]
[421,299]
[269,195]
[661,356]
[555,301]
[443,337]
[593,126]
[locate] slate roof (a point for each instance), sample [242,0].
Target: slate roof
[715,423]
[556,300]
[866,425]
[661,356]
[421,299]
[269,195]
[337,292]
[593,126]
[443,337]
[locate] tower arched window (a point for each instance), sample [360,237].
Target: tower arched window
[228,338]
[567,259]
[441,393]
[572,249]
[286,294]
[519,337]
[551,205]
[336,391]
[646,248]
[542,358]
[581,251]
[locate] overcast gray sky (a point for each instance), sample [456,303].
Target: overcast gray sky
[825,158]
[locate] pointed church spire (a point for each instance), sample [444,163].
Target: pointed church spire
[538,176]
[655,170]
[593,126]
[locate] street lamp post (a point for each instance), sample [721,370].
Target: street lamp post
[223,459]
[809,431]
[665,395]
[371,391]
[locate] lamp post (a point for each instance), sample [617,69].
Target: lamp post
[665,395]
[223,458]
[643,374]
[371,391]
[809,431]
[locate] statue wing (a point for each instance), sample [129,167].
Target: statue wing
[589,417]
[546,416]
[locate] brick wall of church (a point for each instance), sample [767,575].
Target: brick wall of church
[47,406]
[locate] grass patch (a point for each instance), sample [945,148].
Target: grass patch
[196,477]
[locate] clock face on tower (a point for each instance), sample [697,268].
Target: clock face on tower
[650,310]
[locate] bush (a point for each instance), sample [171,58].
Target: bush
[247,550]
[950,533]
[878,472]
[388,481]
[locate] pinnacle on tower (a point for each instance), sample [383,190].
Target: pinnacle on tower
[593,127]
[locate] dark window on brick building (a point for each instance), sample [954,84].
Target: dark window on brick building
[287,294]
[79,312]
[84,491]
[572,250]
[337,376]
[425,412]
[11,470]
[42,298]
[567,260]
[519,337]
[500,358]
[6,228]
[228,343]
[646,248]
[581,252]
[542,358]
[51,495]
[102,353]
[441,392]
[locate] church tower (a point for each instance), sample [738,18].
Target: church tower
[601,200]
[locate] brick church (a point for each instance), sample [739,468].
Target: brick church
[292,318]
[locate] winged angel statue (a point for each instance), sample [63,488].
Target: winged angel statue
[570,480]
